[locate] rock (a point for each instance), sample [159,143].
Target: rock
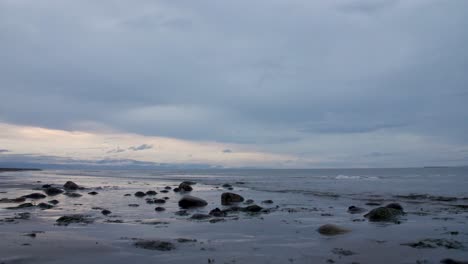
[14,200]
[396,206]
[151,193]
[159,209]
[133,205]
[127,194]
[35,196]
[216,220]
[106,212]
[267,202]
[332,230]
[45,206]
[168,187]
[191,201]
[343,252]
[452,261]
[52,191]
[45,186]
[73,219]
[23,205]
[54,202]
[176,189]
[159,201]
[182,213]
[200,216]
[252,208]
[140,194]
[383,214]
[155,245]
[166,198]
[227,185]
[164,191]
[231,198]
[186,240]
[249,201]
[217,213]
[69,185]
[93,193]
[185,187]
[373,203]
[72,194]
[355,210]
[435,243]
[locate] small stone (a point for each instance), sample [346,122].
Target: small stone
[355,210]
[23,205]
[152,193]
[93,193]
[267,202]
[140,194]
[252,208]
[159,209]
[70,219]
[396,206]
[168,187]
[155,245]
[217,213]
[45,206]
[51,191]
[383,214]
[72,194]
[176,190]
[133,205]
[106,212]
[185,187]
[200,216]
[54,202]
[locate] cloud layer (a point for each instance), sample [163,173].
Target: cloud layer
[335,81]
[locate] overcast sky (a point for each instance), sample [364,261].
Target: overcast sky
[267,83]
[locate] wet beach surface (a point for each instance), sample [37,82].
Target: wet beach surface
[105,222]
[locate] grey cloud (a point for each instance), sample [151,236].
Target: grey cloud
[141,147]
[116,150]
[227,151]
[4,150]
[201,73]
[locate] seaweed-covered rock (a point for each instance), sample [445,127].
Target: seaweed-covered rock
[191,201]
[332,230]
[69,185]
[218,213]
[35,196]
[73,219]
[152,193]
[185,187]
[51,191]
[383,214]
[155,245]
[231,198]
[252,208]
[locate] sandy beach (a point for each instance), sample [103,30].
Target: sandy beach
[113,225]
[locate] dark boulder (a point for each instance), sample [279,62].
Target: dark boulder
[218,213]
[191,201]
[140,194]
[69,185]
[151,193]
[106,212]
[51,191]
[231,198]
[185,187]
[159,209]
[252,208]
[35,196]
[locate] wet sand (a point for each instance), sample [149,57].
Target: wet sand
[432,229]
